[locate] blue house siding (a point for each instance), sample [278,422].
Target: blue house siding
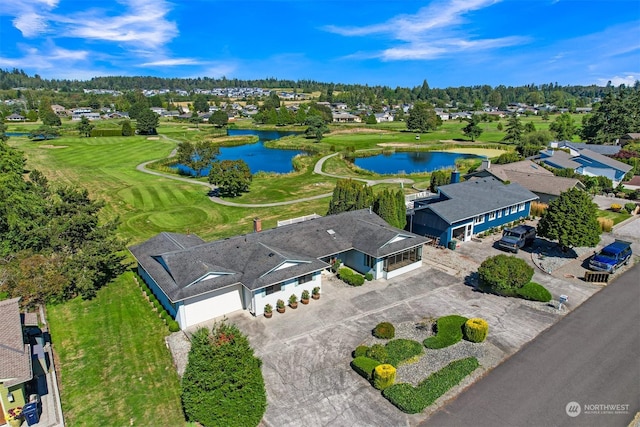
[155,289]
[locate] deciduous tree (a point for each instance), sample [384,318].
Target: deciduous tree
[198,156]
[232,177]
[472,129]
[563,127]
[219,118]
[423,118]
[85,127]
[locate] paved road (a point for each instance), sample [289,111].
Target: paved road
[589,357]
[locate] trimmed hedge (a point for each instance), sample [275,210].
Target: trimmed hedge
[449,332]
[350,277]
[174,326]
[402,350]
[384,330]
[476,329]
[384,376]
[360,350]
[534,292]
[364,366]
[412,399]
[377,352]
[369,277]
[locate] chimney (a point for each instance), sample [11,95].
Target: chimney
[455,177]
[486,164]
[257,225]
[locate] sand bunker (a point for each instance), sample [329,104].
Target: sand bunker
[53,146]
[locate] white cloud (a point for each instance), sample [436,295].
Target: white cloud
[627,80]
[434,31]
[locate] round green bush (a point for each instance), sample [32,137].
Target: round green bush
[368,276]
[533,291]
[377,352]
[384,330]
[476,329]
[360,351]
[504,274]
[174,326]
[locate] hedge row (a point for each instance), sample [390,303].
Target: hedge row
[395,352]
[164,315]
[350,277]
[412,399]
[364,366]
[448,332]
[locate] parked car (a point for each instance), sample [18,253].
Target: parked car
[612,257]
[517,237]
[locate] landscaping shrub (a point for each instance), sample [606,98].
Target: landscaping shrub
[412,399]
[402,350]
[449,332]
[384,376]
[360,351]
[384,330]
[364,366]
[534,292]
[616,207]
[174,326]
[504,274]
[369,276]
[350,277]
[537,208]
[222,384]
[476,329]
[377,352]
[606,224]
[629,207]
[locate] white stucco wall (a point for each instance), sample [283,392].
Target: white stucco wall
[260,298]
[210,305]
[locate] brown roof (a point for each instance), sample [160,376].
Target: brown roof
[542,183]
[525,166]
[15,355]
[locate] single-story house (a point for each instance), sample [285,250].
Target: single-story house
[530,175]
[197,281]
[341,117]
[15,118]
[586,162]
[574,148]
[15,357]
[462,209]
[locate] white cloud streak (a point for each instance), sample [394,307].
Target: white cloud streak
[434,31]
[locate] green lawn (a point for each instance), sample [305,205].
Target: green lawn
[617,217]
[115,367]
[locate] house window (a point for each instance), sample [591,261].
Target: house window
[273,289]
[506,211]
[514,209]
[492,215]
[500,213]
[369,261]
[305,279]
[520,207]
[479,219]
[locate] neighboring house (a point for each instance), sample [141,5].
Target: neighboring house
[197,281]
[574,148]
[530,175]
[633,183]
[629,138]
[59,109]
[463,209]
[586,162]
[345,118]
[15,356]
[15,118]
[383,117]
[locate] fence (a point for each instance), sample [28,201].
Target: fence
[596,276]
[299,219]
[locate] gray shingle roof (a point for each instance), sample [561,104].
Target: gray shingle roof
[476,197]
[612,163]
[254,259]
[560,159]
[15,355]
[546,184]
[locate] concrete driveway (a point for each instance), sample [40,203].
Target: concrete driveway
[306,352]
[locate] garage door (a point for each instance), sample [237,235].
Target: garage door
[213,304]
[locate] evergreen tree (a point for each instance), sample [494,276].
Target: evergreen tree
[3,132]
[222,383]
[563,127]
[571,219]
[472,129]
[423,118]
[85,127]
[147,122]
[438,178]
[349,195]
[127,130]
[514,129]
[389,205]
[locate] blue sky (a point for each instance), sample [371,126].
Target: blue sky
[374,42]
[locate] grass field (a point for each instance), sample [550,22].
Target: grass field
[115,368]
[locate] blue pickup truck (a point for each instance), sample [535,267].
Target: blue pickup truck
[611,257]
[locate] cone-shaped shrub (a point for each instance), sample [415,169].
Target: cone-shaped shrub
[384,330]
[384,376]
[476,329]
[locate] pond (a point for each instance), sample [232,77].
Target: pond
[256,155]
[411,161]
